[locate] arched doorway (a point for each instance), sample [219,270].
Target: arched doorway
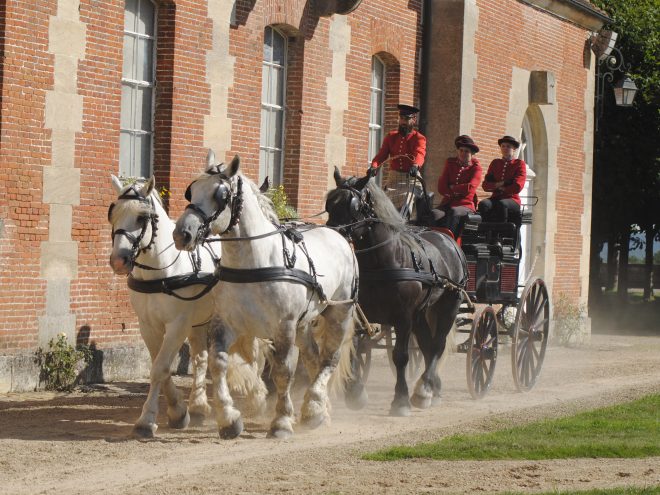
[526,152]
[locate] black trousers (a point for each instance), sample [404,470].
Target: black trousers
[452,217]
[499,210]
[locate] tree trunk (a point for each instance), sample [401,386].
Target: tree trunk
[648,272]
[624,249]
[612,262]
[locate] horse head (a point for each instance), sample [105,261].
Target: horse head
[215,202]
[350,202]
[134,221]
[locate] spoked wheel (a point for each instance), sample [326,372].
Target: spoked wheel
[415,357]
[482,356]
[530,335]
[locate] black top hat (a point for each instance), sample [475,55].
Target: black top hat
[509,139]
[466,141]
[407,110]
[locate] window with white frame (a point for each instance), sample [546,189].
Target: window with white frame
[137,89]
[273,92]
[526,153]
[377,117]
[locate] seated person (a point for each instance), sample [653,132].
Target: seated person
[505,179]
[458,184]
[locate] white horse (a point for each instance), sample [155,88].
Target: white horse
[170,293]
[292,287]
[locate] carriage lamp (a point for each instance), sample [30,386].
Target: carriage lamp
[624,91]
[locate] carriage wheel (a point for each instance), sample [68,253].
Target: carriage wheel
[482,356]
[415,356]
[530,335]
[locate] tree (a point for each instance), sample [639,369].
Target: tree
[626,189]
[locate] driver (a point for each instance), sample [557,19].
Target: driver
[405,149]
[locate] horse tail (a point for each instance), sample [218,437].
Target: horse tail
[343,373]
[247,358]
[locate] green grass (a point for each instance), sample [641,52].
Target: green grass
[623,431]
[610,491]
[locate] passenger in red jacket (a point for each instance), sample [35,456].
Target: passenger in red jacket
[505,179]
[458,185]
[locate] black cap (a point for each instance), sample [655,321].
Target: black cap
[407,110]
[509,139]
[465,141]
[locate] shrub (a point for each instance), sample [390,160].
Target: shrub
[283,209]
[58,365]
[570,321]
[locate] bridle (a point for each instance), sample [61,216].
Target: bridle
[359,209]
[223,195]
[133,194]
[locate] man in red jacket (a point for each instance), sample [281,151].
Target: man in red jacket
[505,179]
[458,185]
[405,149]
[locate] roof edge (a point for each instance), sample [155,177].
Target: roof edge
[579,12]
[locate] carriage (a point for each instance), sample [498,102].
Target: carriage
[496,306]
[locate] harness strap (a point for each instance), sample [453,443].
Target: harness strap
[170,284]
[270,273]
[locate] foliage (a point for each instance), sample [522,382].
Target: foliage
[627,430]
[281,202]
[164,192]
[626,187]
[570,320]
[58,365]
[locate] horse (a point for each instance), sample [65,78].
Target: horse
[413,281]
[295,287]
[171,296]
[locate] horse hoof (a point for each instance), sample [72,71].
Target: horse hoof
[141,432]
[179,423]
[356,397]
[197,419]
[400,411]
[279,433]
[232,431]
[313,422]
[421,402]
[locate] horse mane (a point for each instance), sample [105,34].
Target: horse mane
[136,208]
[264,202]
[389,215]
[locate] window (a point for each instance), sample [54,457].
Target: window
[273,91]
[377,117]
[137,89]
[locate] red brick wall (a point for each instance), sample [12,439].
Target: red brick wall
[512,34]
[27,74]
[98,298]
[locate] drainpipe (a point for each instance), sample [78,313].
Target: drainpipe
[424,69]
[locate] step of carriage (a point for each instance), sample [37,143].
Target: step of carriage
[465,309]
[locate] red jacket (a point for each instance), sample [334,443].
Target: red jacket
[512,173]
[459,184]
[394,144]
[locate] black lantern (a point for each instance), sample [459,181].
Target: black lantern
[624,92]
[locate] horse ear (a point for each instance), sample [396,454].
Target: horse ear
[116,184]
[361,183]
[210,159]
[265,186]
[338,178]
[234,166]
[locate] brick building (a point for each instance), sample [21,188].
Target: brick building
[136,87]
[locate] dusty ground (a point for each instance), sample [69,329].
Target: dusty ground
[78,443]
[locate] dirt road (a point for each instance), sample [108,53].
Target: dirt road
[78,443]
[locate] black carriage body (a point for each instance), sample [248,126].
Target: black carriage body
[493,274]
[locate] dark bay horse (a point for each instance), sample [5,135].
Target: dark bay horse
[411,280]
